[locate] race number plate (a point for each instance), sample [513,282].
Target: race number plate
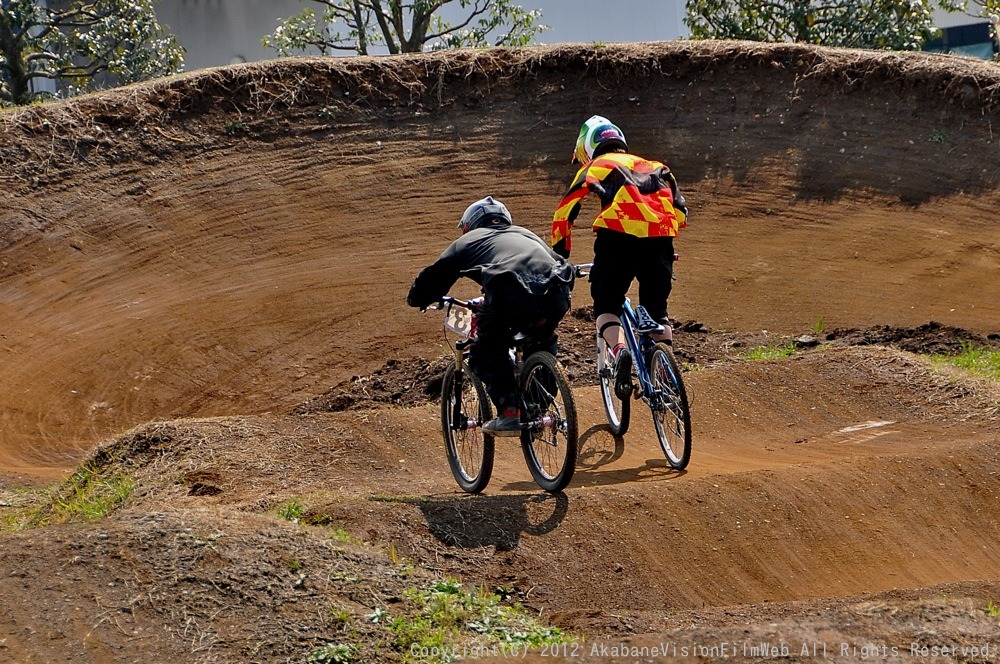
[459,321]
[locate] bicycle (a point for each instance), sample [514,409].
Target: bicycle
[549,422]
[656,380]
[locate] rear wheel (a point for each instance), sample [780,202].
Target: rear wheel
[669,404]
[465,407]
[549,439]
[617,409]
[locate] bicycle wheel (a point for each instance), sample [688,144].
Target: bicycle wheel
[617,409]
[671,415]
[549,440]
[464,408]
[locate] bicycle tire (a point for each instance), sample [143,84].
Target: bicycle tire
[470,451]
[617,410]
[673,420]
[549,441]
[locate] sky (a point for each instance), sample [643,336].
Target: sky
[224,32]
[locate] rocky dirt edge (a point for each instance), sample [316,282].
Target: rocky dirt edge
[43,144]
[414,381]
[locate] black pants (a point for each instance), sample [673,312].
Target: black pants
[618,259]
[504,314]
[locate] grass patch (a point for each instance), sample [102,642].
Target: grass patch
[333,653]
[291,510]
[982,361]
[85,496]
[447,616]
[769,352]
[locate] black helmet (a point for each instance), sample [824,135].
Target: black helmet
[483,211]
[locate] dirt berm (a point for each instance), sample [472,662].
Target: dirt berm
[206,349]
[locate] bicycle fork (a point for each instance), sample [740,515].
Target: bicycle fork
[460,421]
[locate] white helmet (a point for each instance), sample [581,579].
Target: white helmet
[595,132]
[483,210]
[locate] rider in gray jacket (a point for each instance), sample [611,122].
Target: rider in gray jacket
[526,287]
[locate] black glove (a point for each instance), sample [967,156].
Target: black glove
[560,248]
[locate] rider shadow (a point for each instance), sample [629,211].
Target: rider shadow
[499,521]
[599,447]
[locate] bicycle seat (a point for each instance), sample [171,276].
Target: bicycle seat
[522,338]
[645,323]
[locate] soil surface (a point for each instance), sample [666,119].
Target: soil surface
[206,346]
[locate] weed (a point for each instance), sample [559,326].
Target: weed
[328,113]
[234,127]
[599,45]
[937,136]
[770,352]
[992,610]
[292,510]
[982,361]
[340,617]
[343,537]
[85,496]
[447,614]
[333,653]
[817,327]
[396,498]
[294,565]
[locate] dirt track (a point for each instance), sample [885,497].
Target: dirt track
[237,242]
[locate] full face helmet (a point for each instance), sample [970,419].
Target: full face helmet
[597,132]
[486,210]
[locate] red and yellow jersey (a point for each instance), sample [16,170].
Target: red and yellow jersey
[638,197]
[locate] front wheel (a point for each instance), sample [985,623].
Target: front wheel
[669,404]
[549,437]
[465,407]
[617,409]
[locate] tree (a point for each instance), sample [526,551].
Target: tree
[80,45]
[875,24]
[403,27]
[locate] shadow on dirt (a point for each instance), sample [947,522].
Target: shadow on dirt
[599,447]
[493,521]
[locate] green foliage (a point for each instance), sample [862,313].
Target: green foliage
[333,653]
[328,113]
[874,24]
[402,27]
[85,496]
[982,361]
[770,352]
[992,610]
[818,325]
[81,45]
[447,614]
[291,510]
[94,497]
[234,127]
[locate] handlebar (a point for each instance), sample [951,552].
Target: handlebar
[474,304]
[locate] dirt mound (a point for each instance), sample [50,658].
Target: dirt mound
[930,338]
[271,537]
[212,252]
[417,381]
